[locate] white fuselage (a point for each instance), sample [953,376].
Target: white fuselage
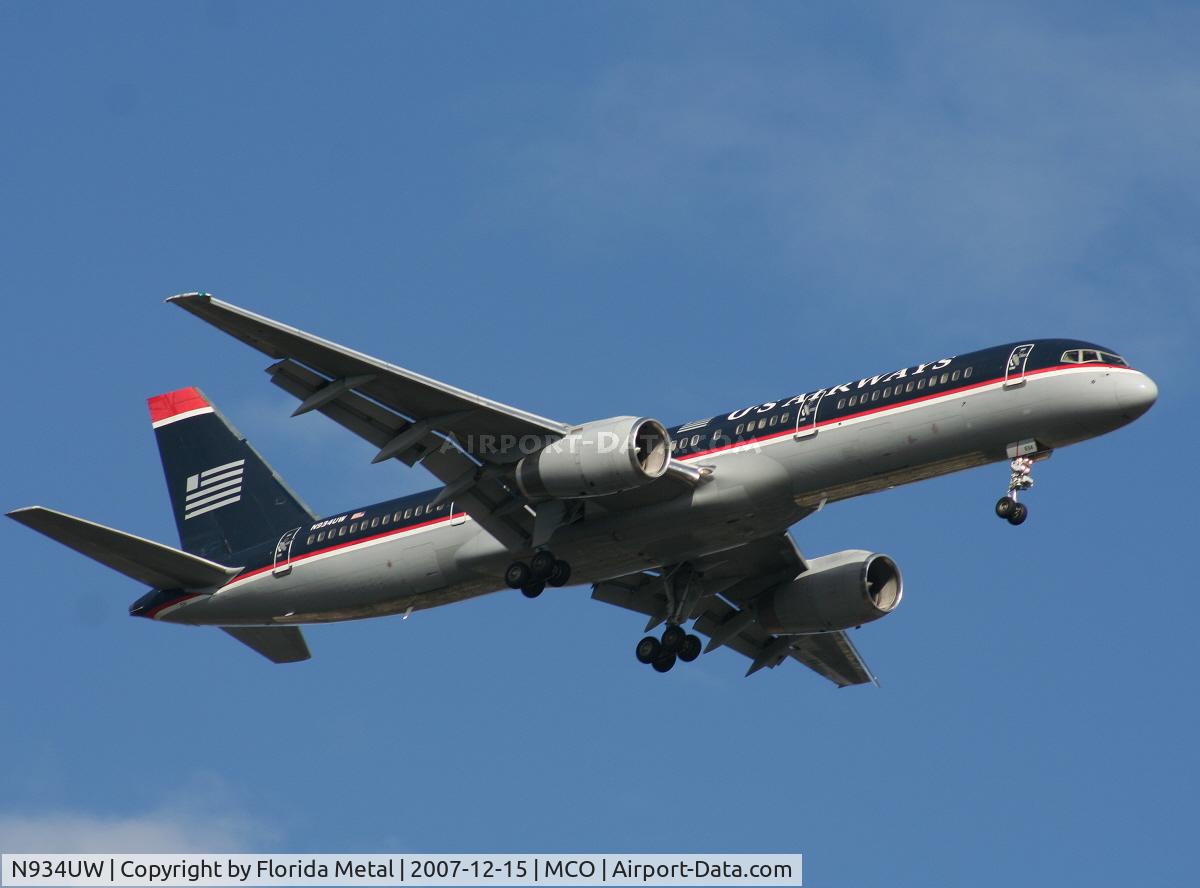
[755,488]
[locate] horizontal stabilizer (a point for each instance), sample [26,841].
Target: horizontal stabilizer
[279,644]
[144,560]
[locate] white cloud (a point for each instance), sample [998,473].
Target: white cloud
[200,818]
[987,158]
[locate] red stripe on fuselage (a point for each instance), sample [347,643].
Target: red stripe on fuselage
[893,405]
[788,430]
[162,607]
[395,531]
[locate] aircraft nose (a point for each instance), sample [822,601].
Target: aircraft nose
[1136,393]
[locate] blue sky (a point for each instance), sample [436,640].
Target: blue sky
[587,210]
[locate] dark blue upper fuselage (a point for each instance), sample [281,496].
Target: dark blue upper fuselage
[739,427]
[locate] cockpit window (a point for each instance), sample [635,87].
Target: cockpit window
[1092,356]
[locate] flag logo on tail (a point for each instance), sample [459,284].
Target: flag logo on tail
[213,488]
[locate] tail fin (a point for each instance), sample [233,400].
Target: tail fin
[225,496]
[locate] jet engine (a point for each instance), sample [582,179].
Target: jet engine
[836,592]
[597,459]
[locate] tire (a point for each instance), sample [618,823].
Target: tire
[672,639]
[663,662]
[690,649]
[533,590]
[647,650]
[517,575]
[541,564]
[1019,514]
[1005,506]
[559,574]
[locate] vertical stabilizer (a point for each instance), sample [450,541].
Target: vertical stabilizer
[224,495]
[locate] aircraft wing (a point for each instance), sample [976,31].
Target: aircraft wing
[476,423]
[724,611]
[407,416]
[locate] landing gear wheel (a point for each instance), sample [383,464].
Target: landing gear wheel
[517,575]
[542,563]
[690,649]
[533,590]
[663,662]
[647,650]
[559,574]
[672,639]
[1005,506]
[1019,514]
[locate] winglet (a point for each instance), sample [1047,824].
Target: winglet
[189,297]
[179,404]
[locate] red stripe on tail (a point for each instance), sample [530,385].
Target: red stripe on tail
[176,402]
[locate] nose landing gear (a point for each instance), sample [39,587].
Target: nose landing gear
[1007,507]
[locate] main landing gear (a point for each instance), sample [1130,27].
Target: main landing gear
[542,570]
[675,644]
[1007,506]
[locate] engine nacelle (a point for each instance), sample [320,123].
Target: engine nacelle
[597,459]
[836,592]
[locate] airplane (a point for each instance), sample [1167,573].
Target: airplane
[684,525]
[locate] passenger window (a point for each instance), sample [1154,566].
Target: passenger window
[954,376]
[342,531]
[887,392]
[784,418]
[407,514]
[841,403]
[774,420]
[309,541]
[387,518]
[738,430]
[321,537]
[920,384]
[354,527]
[420,510]
[853,400]
[967,373]
[875,395]
[945,378]
[397,516]
[695,440]
[909,387]
[375,521]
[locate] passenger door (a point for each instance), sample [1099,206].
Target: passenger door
[283,553]
[1014,372]
[806,415]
